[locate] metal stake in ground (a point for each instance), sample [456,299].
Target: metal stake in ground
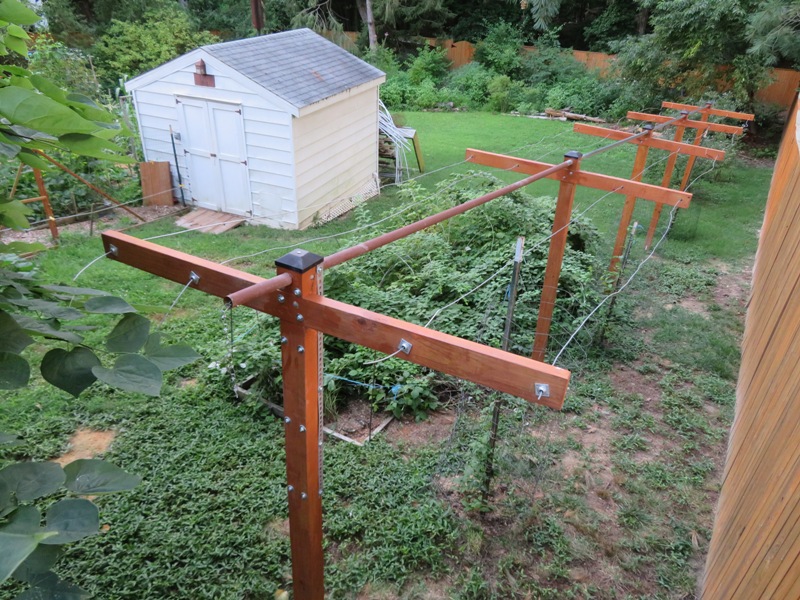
[512,300]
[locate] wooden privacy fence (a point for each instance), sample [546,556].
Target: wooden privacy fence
[755,545]
[781,91]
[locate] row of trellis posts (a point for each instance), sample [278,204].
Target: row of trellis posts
[295,297]
[44,196]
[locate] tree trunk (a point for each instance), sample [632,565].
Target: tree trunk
[642,17]
[365,11]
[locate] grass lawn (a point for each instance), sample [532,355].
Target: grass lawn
[610,498]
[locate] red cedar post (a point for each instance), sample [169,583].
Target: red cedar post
[668,170]
[301,393]
[630,201]
[697,139]
[48,209]
[558,243]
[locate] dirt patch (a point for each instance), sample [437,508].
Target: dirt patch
[433,430]
[695,306]
[628,380]
[355,419]
[733,286]
[111,220]
[86,443]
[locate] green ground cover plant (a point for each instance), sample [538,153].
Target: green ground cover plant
[610,498]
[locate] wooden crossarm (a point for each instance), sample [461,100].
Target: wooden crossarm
[215,279]
[597,181]
[650,141]
[717,112]
[461,358]
[718,127]
[484,365]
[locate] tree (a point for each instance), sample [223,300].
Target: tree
[694,47]
[37,116]
[773,31]
[130,47]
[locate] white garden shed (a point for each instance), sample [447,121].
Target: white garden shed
[282,128]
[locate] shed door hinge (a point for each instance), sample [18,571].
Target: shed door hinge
[177,101]
[244,162]
[239,110]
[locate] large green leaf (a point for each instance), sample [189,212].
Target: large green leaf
[46,329]
[16,548]
[34,568]
[32,160]
[96,147]
[37,111]
[16,45]
[21,247]
[7,500]
[14,371]
[71,519]
[32,480]
[108,305]
[9,438]
[17,12]
[93,476]
[48,88]
[75,291]
[48,586]
[14,338]
[25,520]
[12,214]
[168,357]
[132,373]
[70,371]
[50,309]
[129,335]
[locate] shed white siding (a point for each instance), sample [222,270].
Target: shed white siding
[336,149]
[267,127]
[285,129]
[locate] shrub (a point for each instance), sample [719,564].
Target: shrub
[425,272]
[385,59]
[66,67]
[502,93]
[549,64]
[501,50]
[471,80]
[584,95]
[430,63]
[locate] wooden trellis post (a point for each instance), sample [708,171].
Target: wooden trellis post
[645,142]
[305,314]
[701,127]
[569,179]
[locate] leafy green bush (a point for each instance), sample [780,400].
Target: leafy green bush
[66,67]
[432,269]
[502,93]
[472,81]
[385,59]
[549,63]
[501,49]
[430,63]
[130,48]
[68,196]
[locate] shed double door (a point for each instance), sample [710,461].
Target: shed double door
[214,145]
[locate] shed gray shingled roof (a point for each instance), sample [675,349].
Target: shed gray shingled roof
[299,66]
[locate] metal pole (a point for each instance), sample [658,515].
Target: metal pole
[512,299]
[177,166]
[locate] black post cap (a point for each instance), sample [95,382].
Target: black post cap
[574,154]
[299,260]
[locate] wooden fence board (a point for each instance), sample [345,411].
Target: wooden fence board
[755,545]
